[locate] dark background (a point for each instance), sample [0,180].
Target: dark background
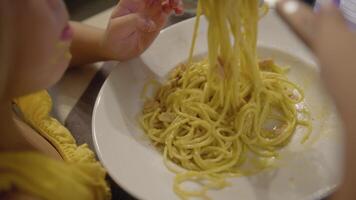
[81,9]
[310,1]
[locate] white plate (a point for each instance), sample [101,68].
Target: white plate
[308,171]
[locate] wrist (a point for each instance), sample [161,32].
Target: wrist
[88,46]
[103,50]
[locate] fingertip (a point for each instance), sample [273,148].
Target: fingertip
[331,6]
[287,7]
[179,11]
[173,5]
[330,10]
[329,14]
[300,18]
[166,7]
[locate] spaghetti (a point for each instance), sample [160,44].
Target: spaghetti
[210,114]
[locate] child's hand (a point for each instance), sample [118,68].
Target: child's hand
[134,24]
[334,45]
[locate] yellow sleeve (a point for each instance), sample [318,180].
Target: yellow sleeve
[46,178]
[36,109]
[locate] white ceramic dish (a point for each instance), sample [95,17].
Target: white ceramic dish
[308,171]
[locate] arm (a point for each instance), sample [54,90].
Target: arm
[328,36]
[132,28]
[87,46]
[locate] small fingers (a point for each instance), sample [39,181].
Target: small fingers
[173,5]
[332,16]
[300,18]
[179,9]
[316,29]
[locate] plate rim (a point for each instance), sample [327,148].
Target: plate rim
[320,194]
[95,110]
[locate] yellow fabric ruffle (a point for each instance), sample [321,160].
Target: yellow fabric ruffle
[46,178]
[79,177]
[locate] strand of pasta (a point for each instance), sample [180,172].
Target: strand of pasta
[211,113]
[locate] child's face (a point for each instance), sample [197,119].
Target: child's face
[40,38]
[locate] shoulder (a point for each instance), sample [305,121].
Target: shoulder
[35,106]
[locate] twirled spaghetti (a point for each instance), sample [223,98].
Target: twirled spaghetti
[211,113]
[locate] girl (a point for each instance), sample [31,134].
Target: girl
[39,158]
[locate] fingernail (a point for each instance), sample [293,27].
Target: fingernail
[67,33]
[290,7]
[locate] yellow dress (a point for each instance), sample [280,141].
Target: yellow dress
[78,177]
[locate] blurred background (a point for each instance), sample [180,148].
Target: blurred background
[82,9]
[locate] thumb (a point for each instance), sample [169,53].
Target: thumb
[331,19]
[313,28]
[332,14]
[331,30]
[300,18]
